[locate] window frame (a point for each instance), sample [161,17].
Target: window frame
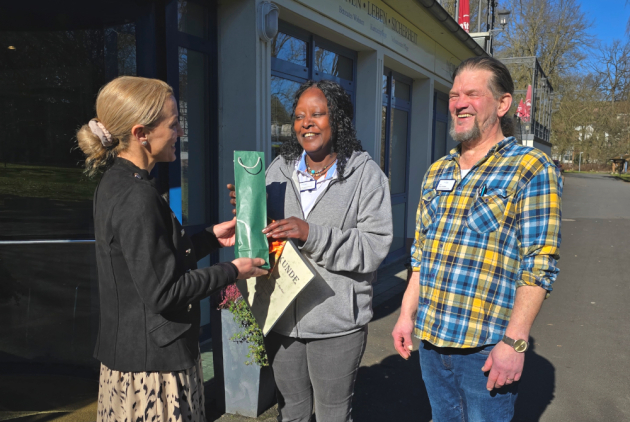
[174,40]
[300,74]
[391,102]
[439,117]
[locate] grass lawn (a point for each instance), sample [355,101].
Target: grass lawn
[57,183]
[590,171]
[624,177]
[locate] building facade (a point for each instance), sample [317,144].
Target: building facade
[235,92]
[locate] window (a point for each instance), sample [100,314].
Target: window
[440,125]
[395,152]
[190,180]
[297,56]
[49,81]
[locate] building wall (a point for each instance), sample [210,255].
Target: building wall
[396,34]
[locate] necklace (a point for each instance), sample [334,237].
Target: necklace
[317,173]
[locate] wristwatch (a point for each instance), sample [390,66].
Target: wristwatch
[518,345]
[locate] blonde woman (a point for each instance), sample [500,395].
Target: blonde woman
[149,284]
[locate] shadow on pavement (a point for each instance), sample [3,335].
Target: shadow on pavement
[387,309]
[391,391]
[394,391]
[537,387]
[617,178]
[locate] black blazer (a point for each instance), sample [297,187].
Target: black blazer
[149,284]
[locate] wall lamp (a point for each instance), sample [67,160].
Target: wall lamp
[267,20]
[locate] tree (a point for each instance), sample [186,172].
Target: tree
[612,70]
[555,31]
[574,117]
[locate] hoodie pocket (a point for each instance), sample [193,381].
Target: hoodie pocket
[352,305]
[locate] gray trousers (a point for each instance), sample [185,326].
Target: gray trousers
[317,373]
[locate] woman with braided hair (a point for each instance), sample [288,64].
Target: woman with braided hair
[325,192]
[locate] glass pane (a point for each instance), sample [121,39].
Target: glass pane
[441,105]
[398,218]
[48,304]
[192,19]
[440,140]
[385,86]
[282,92]
[48,84]
[120,50]
[288,48]
[398,152]
[383,137]
[333,64]
[48,292]
[193,116]
[401,90]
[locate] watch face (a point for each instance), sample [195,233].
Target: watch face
[520,346]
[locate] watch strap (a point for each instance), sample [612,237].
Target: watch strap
[509,341]
[512,343]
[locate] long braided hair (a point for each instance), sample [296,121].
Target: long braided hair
[340,112]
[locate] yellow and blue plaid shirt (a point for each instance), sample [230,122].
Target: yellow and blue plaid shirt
[496,230]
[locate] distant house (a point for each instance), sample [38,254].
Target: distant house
[620,163]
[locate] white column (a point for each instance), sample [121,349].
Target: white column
[421,141]
[244,72]
[369,101]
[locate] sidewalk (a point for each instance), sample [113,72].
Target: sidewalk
[382,373]
[74,399]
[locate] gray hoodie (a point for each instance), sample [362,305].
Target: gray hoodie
[350,231]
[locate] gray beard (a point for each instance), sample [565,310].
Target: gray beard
[473,133]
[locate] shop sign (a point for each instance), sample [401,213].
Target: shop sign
[378,21]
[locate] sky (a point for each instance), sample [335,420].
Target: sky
[610,18]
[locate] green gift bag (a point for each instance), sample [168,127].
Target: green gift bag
[251,206]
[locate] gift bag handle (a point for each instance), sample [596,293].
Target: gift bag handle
[249,168]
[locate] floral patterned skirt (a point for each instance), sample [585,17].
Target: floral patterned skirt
[151,396]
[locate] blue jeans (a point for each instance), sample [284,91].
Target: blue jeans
[457,387]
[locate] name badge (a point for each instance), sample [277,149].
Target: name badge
[309,185]
[446,185]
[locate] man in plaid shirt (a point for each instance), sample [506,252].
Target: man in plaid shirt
[484,255]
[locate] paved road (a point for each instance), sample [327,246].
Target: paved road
[578,369]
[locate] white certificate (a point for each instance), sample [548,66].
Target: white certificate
[270,295]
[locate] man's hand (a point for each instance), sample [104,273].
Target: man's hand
[232,190]
[249,267]
[225,232]
[505,366]
[504,363]
[402,336]
[289,228]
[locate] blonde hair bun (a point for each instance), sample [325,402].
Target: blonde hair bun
[121,104]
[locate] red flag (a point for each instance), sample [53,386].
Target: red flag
[528,104]
[520,111]
[464,15]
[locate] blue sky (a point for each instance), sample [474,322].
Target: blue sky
[610,18]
